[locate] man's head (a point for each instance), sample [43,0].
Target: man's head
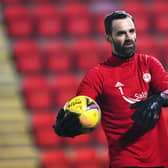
[120,32]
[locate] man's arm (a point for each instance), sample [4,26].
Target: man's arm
[148,111]
[70,125]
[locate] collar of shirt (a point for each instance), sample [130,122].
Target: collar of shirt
[116,61]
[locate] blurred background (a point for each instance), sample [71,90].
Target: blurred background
[46,47]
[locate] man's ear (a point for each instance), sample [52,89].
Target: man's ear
[108,38]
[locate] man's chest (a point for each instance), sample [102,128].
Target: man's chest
[125,85]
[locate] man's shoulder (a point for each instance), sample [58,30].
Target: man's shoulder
[99,70]
[145,58]
[100,67]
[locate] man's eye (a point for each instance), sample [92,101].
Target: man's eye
[132,30]
[120,33]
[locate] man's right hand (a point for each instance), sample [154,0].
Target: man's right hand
[67,124]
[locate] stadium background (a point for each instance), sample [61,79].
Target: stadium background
[46,46]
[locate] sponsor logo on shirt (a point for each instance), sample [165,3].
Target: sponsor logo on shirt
[137,96]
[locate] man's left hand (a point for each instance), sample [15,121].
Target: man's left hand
[148,111]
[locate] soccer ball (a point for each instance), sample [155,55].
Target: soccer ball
[88,110]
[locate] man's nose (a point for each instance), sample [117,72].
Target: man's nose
[128,36]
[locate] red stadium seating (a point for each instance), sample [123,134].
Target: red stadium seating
[86,54]
[45,11]
[104,49]
[147,44]
[37,92]
[16,12]
[63,87]
[54,159]
[142,24]
[28,57]
[43,119]
[79,27]
[69,1]
[20,28]
[135,8]
[40,1]
[76,19]
[49,27]
[75,10]
[57,56]
[164,45]
[13,2]
[44,134]
[85,158]
[99,22]
[81,140]
[164,52]
[161,23]
[18,19]
[48,20]
[158,8]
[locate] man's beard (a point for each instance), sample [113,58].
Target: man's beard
[123,51]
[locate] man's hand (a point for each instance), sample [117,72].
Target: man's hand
[148,111]
[67,124]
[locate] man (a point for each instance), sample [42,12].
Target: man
[131,90]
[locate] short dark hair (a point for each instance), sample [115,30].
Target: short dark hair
[120,14]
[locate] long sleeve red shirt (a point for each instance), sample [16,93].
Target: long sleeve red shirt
[115,85]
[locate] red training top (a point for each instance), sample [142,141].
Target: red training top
[115,85]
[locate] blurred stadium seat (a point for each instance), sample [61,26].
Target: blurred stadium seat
[63,87]
[54,159]
[164,45]
[104,49]
[13,2]
[36,92]
[40,1]
[158,7]
[75,10]
[164,51]
[57,57]
[135,8]
[161,23]
[28,57]
[79,27]
[86,54]
[85,158]
[20,28]
[50,27]
[99,22]
[48,20]
[76,19]
[78,141]
[16,12]
[43,132]
[44,11]
[43,119]
[142,24]
[147,44]
[18,21]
